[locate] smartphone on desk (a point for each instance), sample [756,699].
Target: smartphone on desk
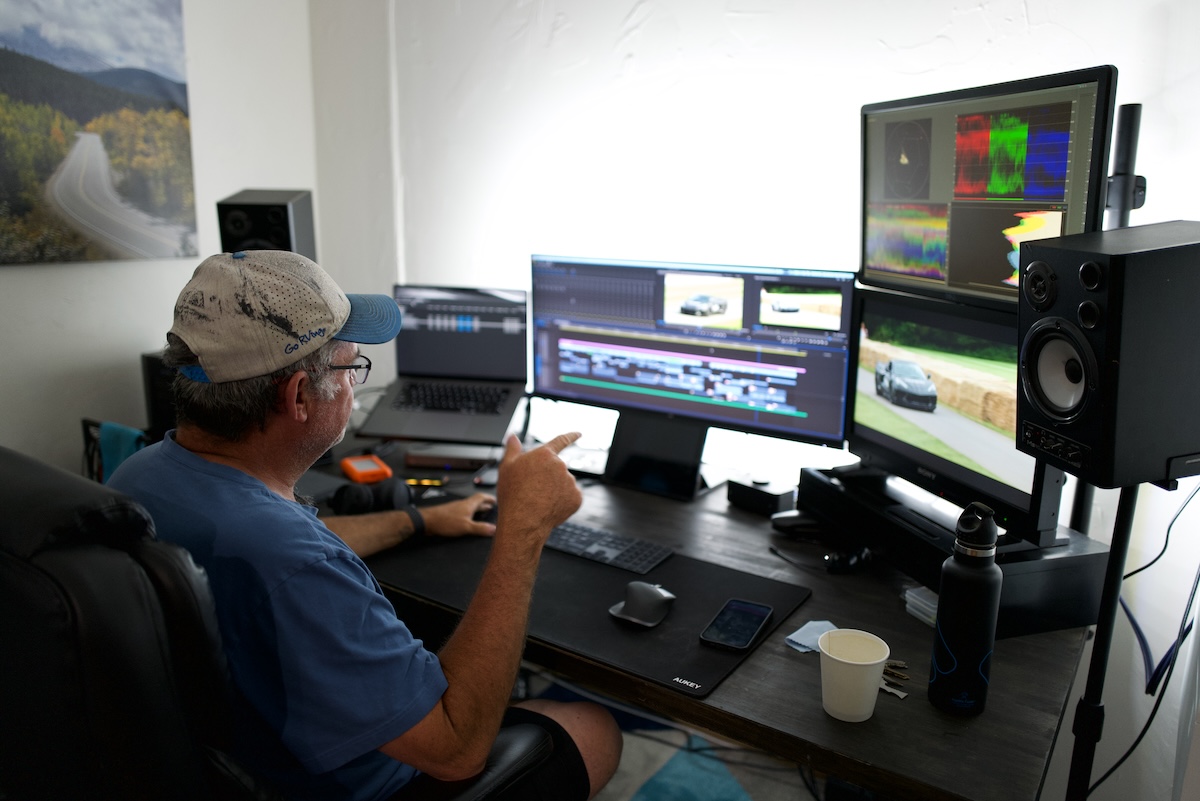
[737,625]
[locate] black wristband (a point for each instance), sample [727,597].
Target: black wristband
[418,522]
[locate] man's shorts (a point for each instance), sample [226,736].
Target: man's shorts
[562,777]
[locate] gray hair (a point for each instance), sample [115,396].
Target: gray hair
[231,409]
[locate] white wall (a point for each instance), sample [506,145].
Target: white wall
[722,131]
[447,140]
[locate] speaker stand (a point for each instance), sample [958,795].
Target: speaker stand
[1126,191]
[1089,712]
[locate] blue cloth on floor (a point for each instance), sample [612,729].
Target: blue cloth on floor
[117,443]
[690,776]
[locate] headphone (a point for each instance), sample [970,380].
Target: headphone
[840,562]
[381,496]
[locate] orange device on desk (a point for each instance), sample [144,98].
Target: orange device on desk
[366,468]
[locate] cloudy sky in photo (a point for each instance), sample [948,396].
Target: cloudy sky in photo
[93,35]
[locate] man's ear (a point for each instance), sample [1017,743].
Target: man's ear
[294,396]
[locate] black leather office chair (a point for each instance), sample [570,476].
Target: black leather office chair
[113,684]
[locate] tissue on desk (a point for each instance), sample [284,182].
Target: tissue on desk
[804,639]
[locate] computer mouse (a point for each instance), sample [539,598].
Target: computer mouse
[645,604]
[486,514]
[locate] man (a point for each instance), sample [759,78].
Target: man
[336,699]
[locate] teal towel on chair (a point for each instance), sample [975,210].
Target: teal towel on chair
[117,443]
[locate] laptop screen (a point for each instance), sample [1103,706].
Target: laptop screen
[458,332]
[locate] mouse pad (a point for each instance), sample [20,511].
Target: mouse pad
[573,595]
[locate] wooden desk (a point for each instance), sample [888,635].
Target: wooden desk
[772,702]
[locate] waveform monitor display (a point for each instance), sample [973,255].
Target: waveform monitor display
[953,183]
[757,349]
[1020,154]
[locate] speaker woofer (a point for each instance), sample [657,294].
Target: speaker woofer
[1058,370]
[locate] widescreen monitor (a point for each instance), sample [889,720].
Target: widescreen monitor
[935,404]
[679,347]
[953,183]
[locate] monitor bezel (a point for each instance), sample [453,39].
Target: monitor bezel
[1105,79]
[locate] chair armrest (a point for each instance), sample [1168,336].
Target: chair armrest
[517,750]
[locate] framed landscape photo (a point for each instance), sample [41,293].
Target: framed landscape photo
[95,139]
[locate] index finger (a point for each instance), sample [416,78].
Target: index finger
[512,447]
[559,443]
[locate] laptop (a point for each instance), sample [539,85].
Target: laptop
[460,364]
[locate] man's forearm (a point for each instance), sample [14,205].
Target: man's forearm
[482,657]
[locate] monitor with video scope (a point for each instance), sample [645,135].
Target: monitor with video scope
[678,347]
[952,183]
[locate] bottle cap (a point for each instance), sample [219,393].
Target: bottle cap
[977,527]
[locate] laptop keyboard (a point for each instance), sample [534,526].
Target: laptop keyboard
[438,397]
[628,553]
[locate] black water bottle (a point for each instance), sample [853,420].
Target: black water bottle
[968,603]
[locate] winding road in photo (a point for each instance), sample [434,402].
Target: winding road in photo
[82,192]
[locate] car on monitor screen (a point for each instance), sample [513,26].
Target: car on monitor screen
[904,383]
[704,305]
[785,303]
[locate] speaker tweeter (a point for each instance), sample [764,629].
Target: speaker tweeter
[1038,285]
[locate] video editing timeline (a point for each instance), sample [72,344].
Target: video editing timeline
[752,386]
[764,349]
[954,184]
[464,323]
[465,313]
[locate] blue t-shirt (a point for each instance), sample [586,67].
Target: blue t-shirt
[325,671]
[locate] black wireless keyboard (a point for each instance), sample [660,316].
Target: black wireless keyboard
[629,553]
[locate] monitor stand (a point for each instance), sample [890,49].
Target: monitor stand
[659,454]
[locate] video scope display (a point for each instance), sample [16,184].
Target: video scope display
[954,183]
[757,349]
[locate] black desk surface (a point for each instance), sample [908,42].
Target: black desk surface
[772,700]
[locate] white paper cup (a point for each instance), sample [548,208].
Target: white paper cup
[851,669]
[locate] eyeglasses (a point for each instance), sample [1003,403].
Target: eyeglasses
[361,371]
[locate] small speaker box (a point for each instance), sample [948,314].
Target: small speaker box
[1109,364]
[761,498]
[268,219]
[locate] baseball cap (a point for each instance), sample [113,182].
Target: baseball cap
[253,312]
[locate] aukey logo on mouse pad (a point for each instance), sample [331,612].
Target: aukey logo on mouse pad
[686,683]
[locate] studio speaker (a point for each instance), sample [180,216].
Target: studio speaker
[268,219]
[1109,356]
